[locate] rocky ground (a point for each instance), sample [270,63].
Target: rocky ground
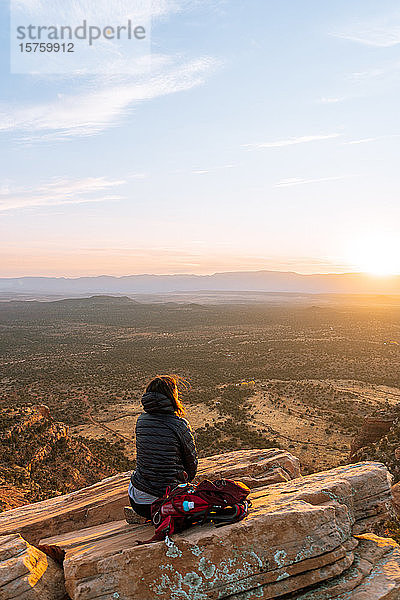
[321,422]
[306,538]
[379,439]
[39,458]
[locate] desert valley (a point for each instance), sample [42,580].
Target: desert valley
[301,374]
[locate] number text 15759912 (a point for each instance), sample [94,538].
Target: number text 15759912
[46,47]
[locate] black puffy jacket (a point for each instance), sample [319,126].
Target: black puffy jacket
[165,447]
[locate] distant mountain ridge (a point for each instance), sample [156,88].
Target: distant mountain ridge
[245,281]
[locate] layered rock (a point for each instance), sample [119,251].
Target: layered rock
[374,574]
[396,499]
[104,501]
[298,534]
[385,450]
[98,503]
[364,488]
[373,429]
[255,468]
[27,573]
[38,457]
[276,550]
[304,539]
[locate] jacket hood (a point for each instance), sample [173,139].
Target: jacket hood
[155,402]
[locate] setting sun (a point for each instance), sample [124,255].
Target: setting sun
[377,254]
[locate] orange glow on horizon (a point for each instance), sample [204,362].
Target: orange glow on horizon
[47,262]
[377,254]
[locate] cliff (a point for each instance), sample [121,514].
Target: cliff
[373,429]
[104,501]
[306,538]
[38,458]
[379,440]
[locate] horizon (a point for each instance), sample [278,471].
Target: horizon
[199,197]
[239,272]
[244,283]
[261,136]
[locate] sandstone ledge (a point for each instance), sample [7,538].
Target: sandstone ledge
[27,573]
[374,575]
[298,541]
[298,534]
[104,501]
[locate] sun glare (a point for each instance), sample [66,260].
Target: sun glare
[379,255]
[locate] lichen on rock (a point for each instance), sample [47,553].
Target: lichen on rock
[305,538]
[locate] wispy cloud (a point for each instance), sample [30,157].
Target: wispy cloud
[100,10]
[93,103]
[137,175]
[299,181]
[388,70]
[92,111]
[59,191]
[305,139]
[361,141]
[381,33]
[329,100]
[379,40]
[371,139]
[212,169]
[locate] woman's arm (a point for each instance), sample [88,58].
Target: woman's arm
[189,453]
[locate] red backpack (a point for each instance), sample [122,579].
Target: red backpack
[221,502]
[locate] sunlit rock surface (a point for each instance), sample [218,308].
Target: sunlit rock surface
[27,573]
[255,468]
[104,501]
[298,534]
[304,539]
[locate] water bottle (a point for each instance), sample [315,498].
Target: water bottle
[186,505]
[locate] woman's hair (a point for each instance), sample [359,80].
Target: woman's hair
[169,386]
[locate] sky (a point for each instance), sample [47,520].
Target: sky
[264,135]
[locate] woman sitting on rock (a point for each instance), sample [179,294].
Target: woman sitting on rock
[165,448]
